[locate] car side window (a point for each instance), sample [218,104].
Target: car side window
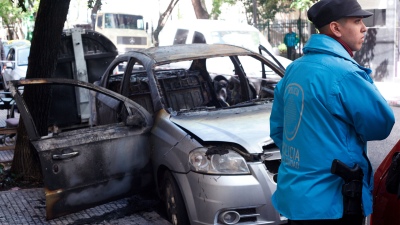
[198,38]
[23,55]
[181,36]
[114,79]
[10,56]
[100,21]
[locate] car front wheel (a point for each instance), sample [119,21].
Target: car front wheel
[173,201]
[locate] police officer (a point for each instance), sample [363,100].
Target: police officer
[291,40]
[326,108]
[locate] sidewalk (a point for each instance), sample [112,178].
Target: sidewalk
[27,206]
[6,142]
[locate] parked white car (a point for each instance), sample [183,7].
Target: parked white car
[16,63]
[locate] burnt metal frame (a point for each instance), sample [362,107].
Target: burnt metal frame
[32,131]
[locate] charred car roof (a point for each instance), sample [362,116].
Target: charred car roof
[174,53]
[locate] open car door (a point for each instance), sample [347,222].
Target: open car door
[85,165]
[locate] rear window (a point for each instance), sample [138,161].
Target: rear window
[100,21]
[199,38]
[181,36]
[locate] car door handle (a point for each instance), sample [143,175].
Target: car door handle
[65,155]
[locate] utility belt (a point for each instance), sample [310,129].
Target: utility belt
[352,187]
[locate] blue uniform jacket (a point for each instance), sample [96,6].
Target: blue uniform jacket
[326,107]
[291,39]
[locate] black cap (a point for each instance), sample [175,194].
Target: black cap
[326,11]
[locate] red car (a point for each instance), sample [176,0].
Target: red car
[386,205]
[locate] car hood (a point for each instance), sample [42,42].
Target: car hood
[246,126]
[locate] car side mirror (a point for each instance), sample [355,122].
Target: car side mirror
[135,121]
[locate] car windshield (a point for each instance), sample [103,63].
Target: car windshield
[186,87]
[124,21]
[223,65]
[253,40]
[6,49]
[251,66]
[23,54]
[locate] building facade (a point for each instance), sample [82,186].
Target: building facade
[380,51]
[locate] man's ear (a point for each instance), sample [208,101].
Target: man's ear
[335,28]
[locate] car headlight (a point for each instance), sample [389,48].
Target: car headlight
[224,161]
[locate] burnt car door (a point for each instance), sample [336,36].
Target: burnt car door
[84,165]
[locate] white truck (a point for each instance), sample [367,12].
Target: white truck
[127,31]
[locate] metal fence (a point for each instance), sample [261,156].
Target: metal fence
[275,31]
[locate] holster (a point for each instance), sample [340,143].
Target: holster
[352,202]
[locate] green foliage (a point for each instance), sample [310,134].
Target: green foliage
[12,14]
[35,6]
[266,9]
[27,5]
[216,7]
[94,3]
[302,4]
[9,13]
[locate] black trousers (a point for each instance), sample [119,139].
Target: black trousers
[346,220]
[291,53]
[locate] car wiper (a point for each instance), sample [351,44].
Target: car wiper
[199,108]
[258,101]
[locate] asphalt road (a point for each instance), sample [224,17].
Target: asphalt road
[377,150]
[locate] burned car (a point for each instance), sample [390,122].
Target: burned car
[186,120]
[213,159]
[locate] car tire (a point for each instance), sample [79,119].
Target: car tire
[173,202]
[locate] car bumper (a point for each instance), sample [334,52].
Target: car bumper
[248,197]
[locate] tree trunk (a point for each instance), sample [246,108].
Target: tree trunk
[200,9]
[10,32]
[45,44]
[163,19]
[95,8]
[20,30]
